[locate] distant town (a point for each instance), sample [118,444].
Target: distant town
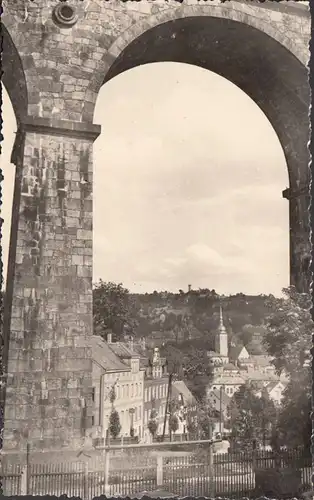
[166,364]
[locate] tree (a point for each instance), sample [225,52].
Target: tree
[253,417]
[294,425]
[288,340]
[114,424]
[153,424]
[199,422]
[152,427]
[289,331]
[173,423]
[113,309]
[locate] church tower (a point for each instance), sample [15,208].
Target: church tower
[221,344]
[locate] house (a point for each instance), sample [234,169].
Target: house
[184,402]
[274,390]
[219,400]
[240,356]
[230,369]
[238,353]
[229,383]
[119,373]
[135,388]
[156,381]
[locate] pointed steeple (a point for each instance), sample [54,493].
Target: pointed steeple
[222,338]
[222,328]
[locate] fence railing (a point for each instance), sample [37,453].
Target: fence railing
[195,474]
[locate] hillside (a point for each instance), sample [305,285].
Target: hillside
[176,318]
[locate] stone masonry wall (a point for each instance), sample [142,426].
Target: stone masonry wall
[49,368]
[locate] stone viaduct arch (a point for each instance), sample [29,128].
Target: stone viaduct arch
[53,75]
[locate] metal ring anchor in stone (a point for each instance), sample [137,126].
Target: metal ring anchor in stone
[64,15]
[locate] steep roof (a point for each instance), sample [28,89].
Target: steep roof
[179,387]
[235,351]
[122,350]
[273,384]
[105,357]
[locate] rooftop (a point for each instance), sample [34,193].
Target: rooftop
[105,357]
[223,379]
[235,351]
[230,366]
[123,350]
[179,387]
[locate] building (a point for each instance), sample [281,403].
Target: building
[221,341]
[274,390]
[116,368]
[156,381]
[236,366]
[219,400]
[133,389]
[239,355]
[185,403]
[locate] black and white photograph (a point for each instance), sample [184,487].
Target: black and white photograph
[156,326]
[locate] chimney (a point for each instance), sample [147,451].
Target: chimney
[189,287]
[143,343]
[131,343]
[109,338]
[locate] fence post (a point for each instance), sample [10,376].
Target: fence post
[107,471]
[254,455]
[160,471]
[85,481]
[23,483]
[28,471]
[211,463]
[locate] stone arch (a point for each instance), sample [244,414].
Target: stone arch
[247,52]
[239,11]
[13,75]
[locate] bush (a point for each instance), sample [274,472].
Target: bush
[114,424]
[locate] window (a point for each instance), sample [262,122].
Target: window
[146,395]
[93,420]
[93,394]
[132,391]
[127,390]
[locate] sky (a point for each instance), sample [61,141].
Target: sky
[185,190]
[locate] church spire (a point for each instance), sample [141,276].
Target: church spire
[222,339]
[222,328]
